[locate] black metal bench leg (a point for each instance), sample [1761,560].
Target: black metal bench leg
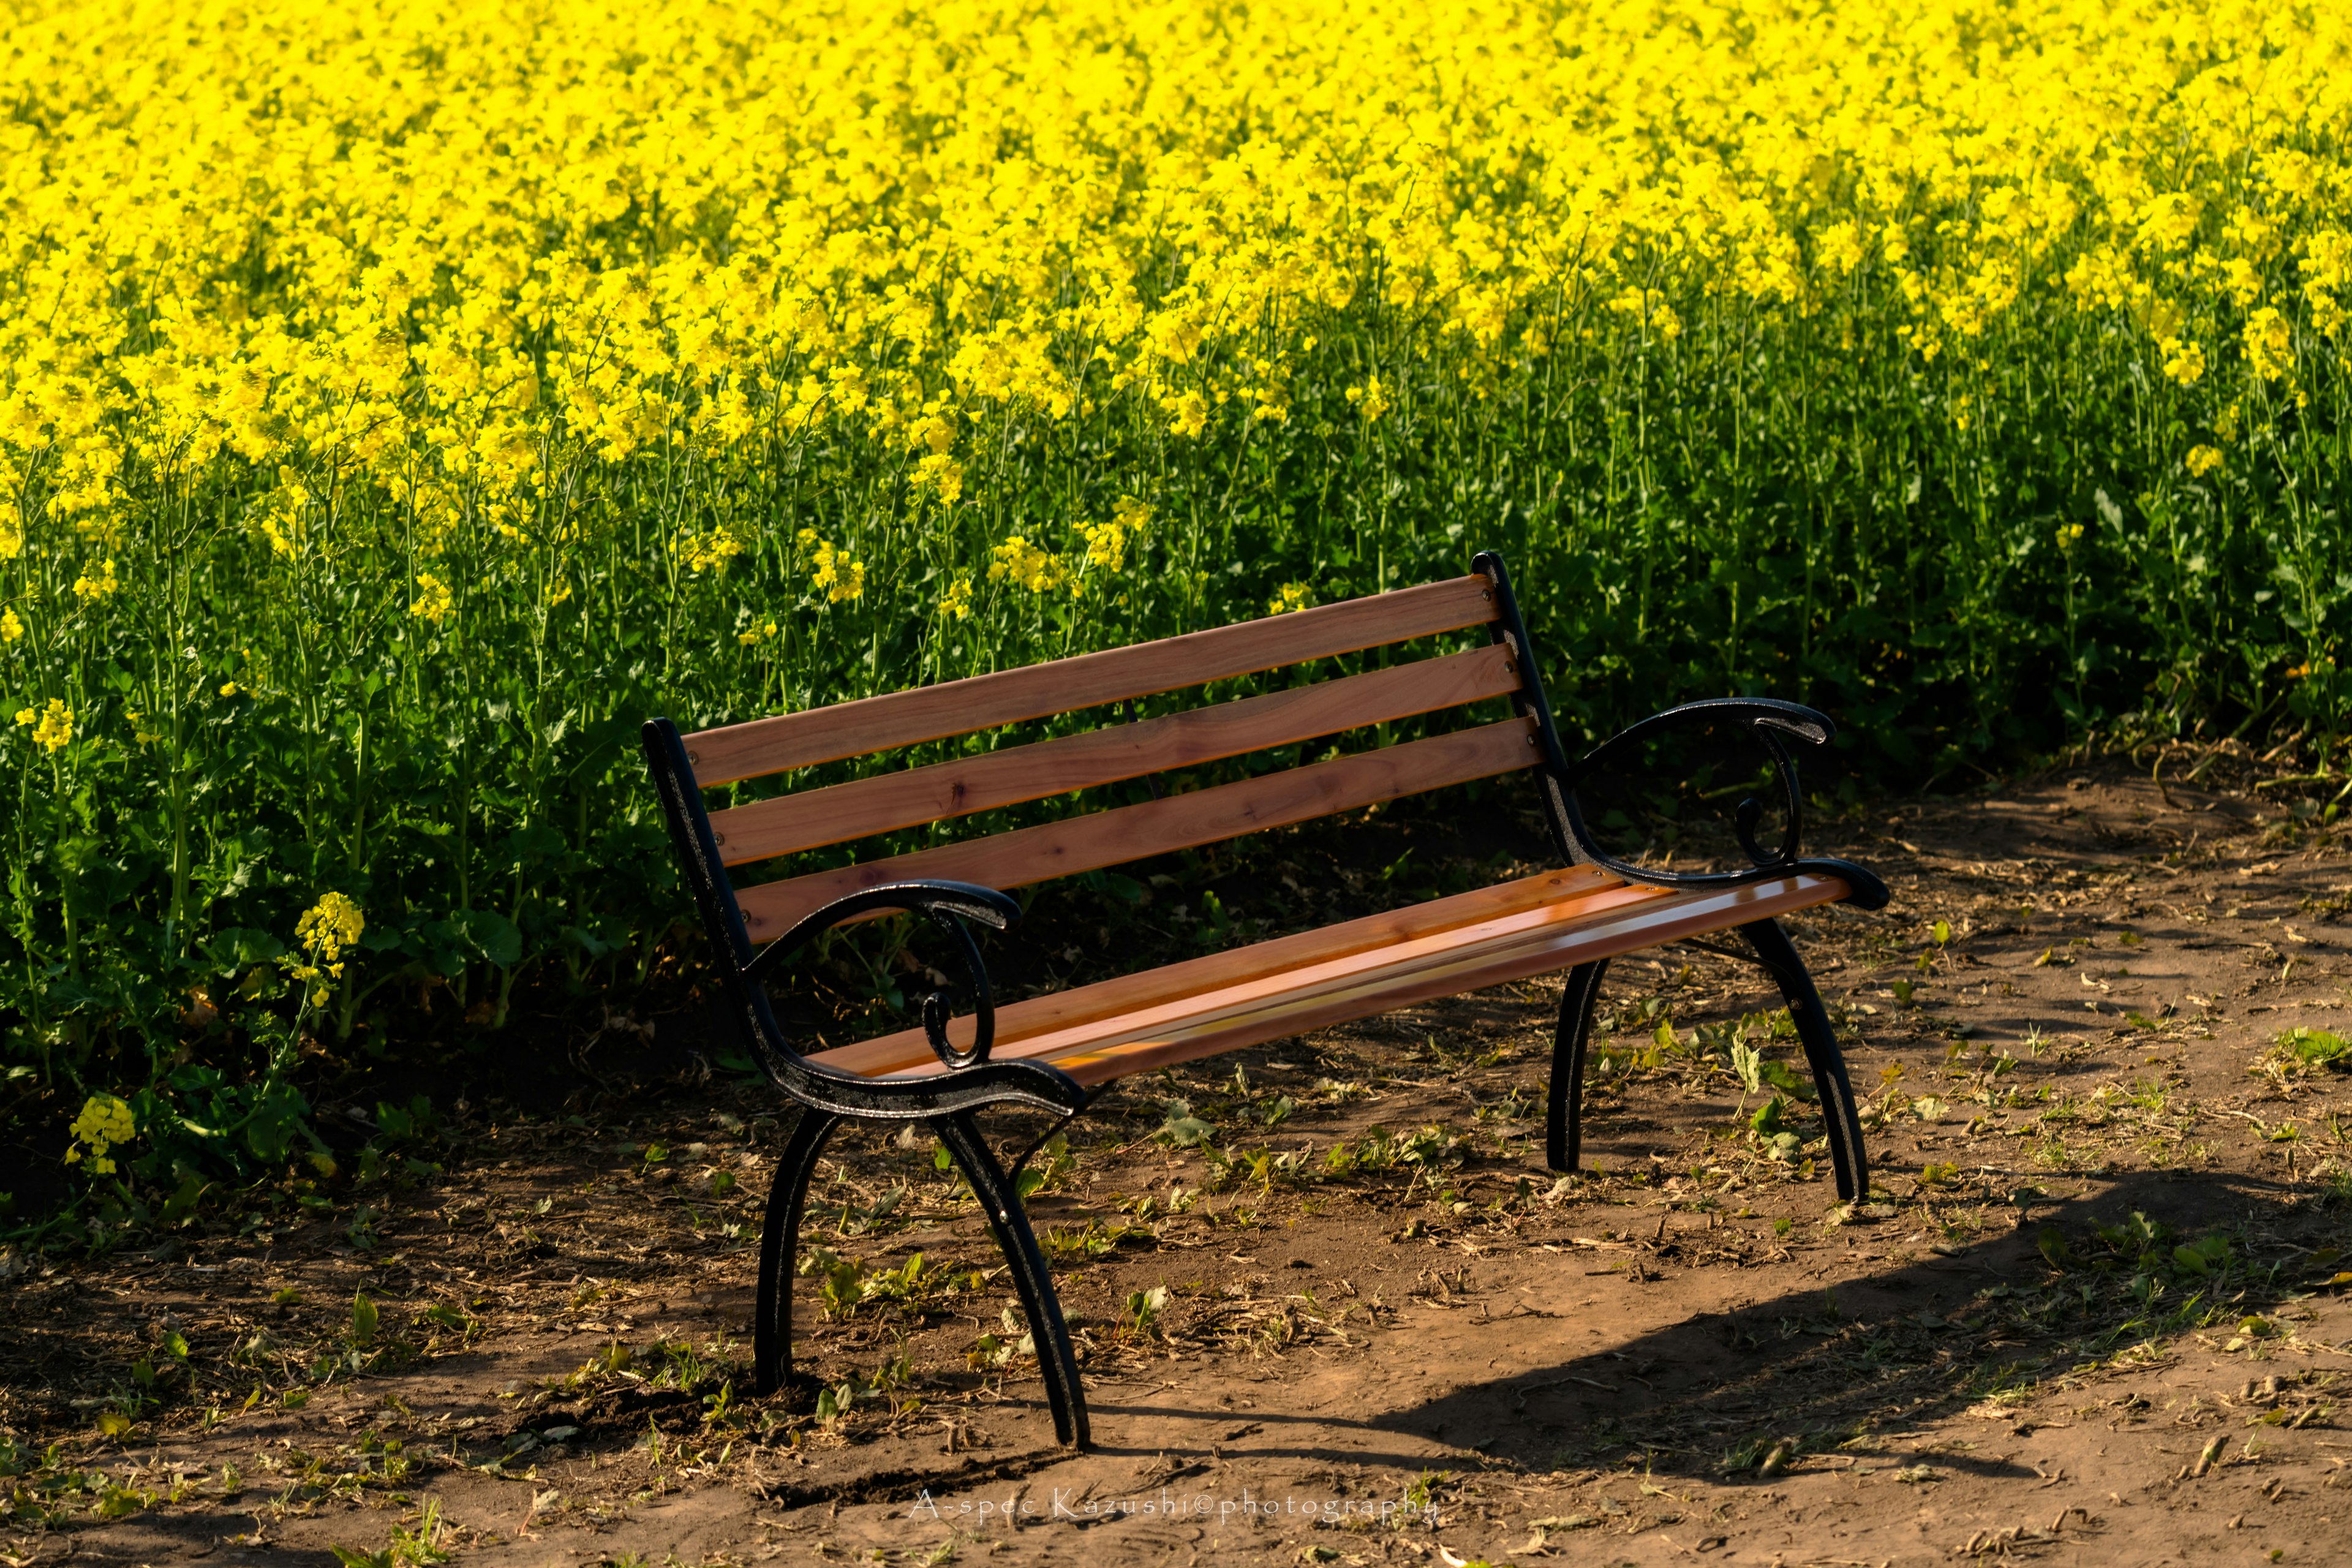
[771,1329]
[1563,1133]
[1056,1358]
[1822,1054]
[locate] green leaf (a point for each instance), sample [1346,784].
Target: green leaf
[1181,1129]
[493,936]
[2052,1243]
[1749,1064]
[363,1320]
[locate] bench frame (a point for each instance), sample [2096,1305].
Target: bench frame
[948,1101]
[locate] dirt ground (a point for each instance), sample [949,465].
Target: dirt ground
[1331,1307]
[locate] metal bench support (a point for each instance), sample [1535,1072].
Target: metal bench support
[1777,954]
[772,1346]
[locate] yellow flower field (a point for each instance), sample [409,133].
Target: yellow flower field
[400,402]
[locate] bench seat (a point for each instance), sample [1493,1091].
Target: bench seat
[1534,925]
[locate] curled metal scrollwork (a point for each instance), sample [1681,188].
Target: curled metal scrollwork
[936,1004]
[1762,722]
[947,905]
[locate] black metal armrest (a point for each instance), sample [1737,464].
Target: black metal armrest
[947,905]
[1767,722]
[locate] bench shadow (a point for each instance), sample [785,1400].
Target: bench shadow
[1860,1360]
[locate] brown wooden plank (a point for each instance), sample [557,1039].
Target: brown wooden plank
[884,804]
[1031,691]
[1515,947]
[1214,972]
[1156,827]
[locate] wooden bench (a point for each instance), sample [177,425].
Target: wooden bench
[1056,1052]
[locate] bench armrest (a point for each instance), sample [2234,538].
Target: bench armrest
[947,905]
[1767,722]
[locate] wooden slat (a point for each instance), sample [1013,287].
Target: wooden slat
[1156,828]
[1007,697]
[882,805]
[1513,947]
[1217,971]
[1401,984]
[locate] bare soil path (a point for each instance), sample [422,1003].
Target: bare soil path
[1332,1307]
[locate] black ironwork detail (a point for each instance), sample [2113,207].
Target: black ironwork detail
[1765,721]
[1530,701]
[1563,1135]
[945,1102]
[1032,1280]
[975,1083]
[1780,956]
[779,1234]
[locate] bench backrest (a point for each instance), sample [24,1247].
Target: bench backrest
[887,802]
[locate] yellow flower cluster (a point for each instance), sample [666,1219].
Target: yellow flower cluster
[955,605]
[98,584]
[105,1122]
[330,926]
[459,253]
[835,575]
[326,930]
[709,550]
[52,726]
[1028,565]
[434,602]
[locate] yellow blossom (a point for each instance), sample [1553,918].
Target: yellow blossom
[105,1122]
[2269,343]
[835,575]
[12,625]
[52,726]
[709,550]
[1289,597]
[434,602]
[2184,361]
[1107,542]
[1025,565]
[2202,460]
[92,586]
[956,603]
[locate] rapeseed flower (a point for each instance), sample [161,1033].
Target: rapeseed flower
[105,1122]
[433,601]
[52,726]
